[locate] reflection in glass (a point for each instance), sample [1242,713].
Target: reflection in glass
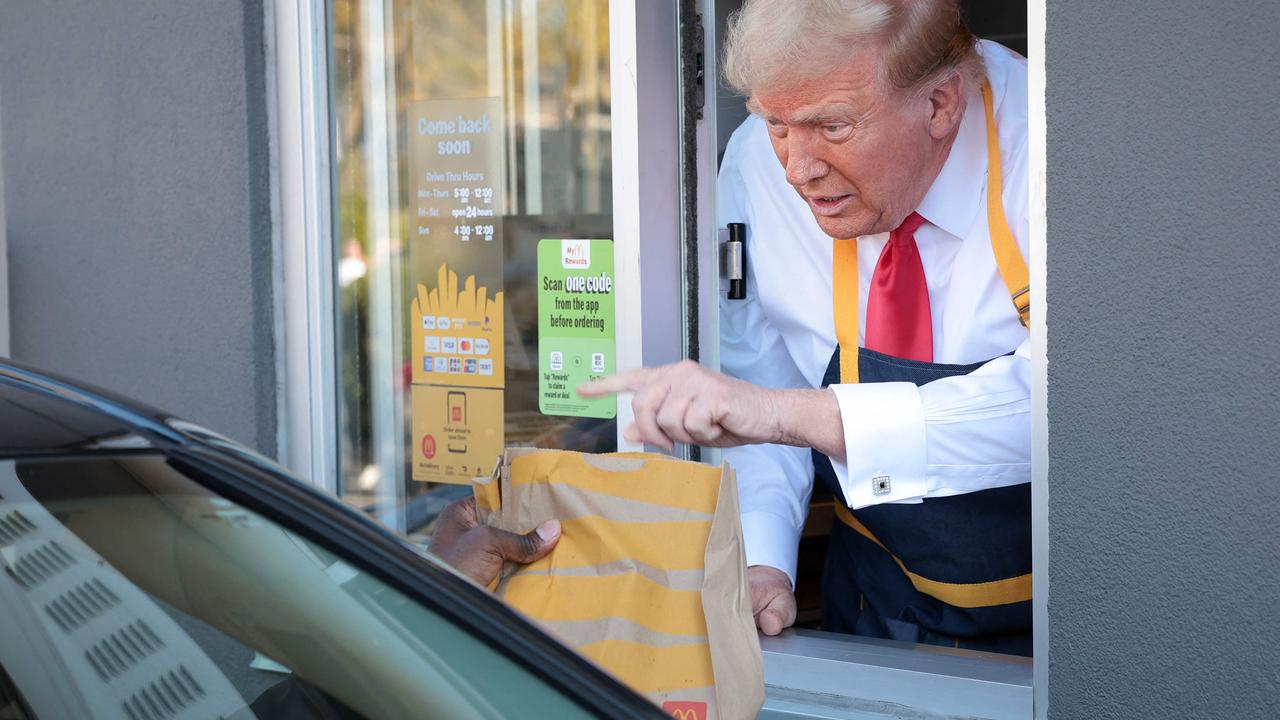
[545,66]
[130,591]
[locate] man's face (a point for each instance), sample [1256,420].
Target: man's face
[857,150]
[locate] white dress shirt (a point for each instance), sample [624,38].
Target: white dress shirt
[954,435]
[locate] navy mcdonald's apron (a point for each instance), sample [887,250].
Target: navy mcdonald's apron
[951,570]
[946,571]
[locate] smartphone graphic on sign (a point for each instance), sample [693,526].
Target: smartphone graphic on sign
[456,409]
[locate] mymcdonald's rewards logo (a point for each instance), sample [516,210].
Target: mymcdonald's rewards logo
[575,254]
[686,710]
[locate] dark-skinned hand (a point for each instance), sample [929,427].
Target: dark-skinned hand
[478,551]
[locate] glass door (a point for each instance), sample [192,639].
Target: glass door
[476,276]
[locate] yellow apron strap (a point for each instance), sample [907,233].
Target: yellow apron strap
[845,277]
[1013,267]
[965,595]
[1009,260]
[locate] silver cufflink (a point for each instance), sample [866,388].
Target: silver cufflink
[880,485]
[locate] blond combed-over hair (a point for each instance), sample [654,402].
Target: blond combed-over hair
[771,44]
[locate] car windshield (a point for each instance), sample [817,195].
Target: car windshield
[129,591]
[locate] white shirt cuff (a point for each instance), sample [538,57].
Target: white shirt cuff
[771,540]
[884,443]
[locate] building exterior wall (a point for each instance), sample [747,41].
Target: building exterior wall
[136,189]
[1162,272]
[136,172]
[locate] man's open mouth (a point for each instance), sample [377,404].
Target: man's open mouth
[828,204]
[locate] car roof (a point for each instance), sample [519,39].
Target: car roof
[42,413]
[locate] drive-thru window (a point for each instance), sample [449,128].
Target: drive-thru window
[460,156]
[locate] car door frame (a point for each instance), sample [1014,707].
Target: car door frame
[302,509]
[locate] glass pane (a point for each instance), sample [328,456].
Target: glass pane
[131,592]
[464,132]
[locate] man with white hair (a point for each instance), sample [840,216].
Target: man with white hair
[882,347]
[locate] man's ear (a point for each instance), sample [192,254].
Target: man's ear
[946,102]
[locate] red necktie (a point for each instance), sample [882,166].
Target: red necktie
[898,319]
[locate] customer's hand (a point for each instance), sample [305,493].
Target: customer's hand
[772,602]
[478,551]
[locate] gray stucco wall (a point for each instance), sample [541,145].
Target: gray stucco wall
[1164,475]
[136,173]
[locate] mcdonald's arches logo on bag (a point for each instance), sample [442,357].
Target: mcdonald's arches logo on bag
[686,710]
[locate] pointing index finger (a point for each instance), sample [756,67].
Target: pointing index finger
[620,382]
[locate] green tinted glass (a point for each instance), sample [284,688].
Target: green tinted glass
[130,591]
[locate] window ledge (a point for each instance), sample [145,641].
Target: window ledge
[810,674]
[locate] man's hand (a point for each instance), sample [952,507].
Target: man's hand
[772,602]
[688,403]
[478,551]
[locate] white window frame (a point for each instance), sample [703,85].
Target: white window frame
[1037,145]
[646,189]
[302,210]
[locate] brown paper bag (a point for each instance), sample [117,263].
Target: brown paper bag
[648,579]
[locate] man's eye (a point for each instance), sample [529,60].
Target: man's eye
[834,128]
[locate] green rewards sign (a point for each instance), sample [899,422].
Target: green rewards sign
[576,327]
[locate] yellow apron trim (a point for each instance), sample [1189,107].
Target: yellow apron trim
[1013,267]
[845,277]
[965,595]
[1009,260]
